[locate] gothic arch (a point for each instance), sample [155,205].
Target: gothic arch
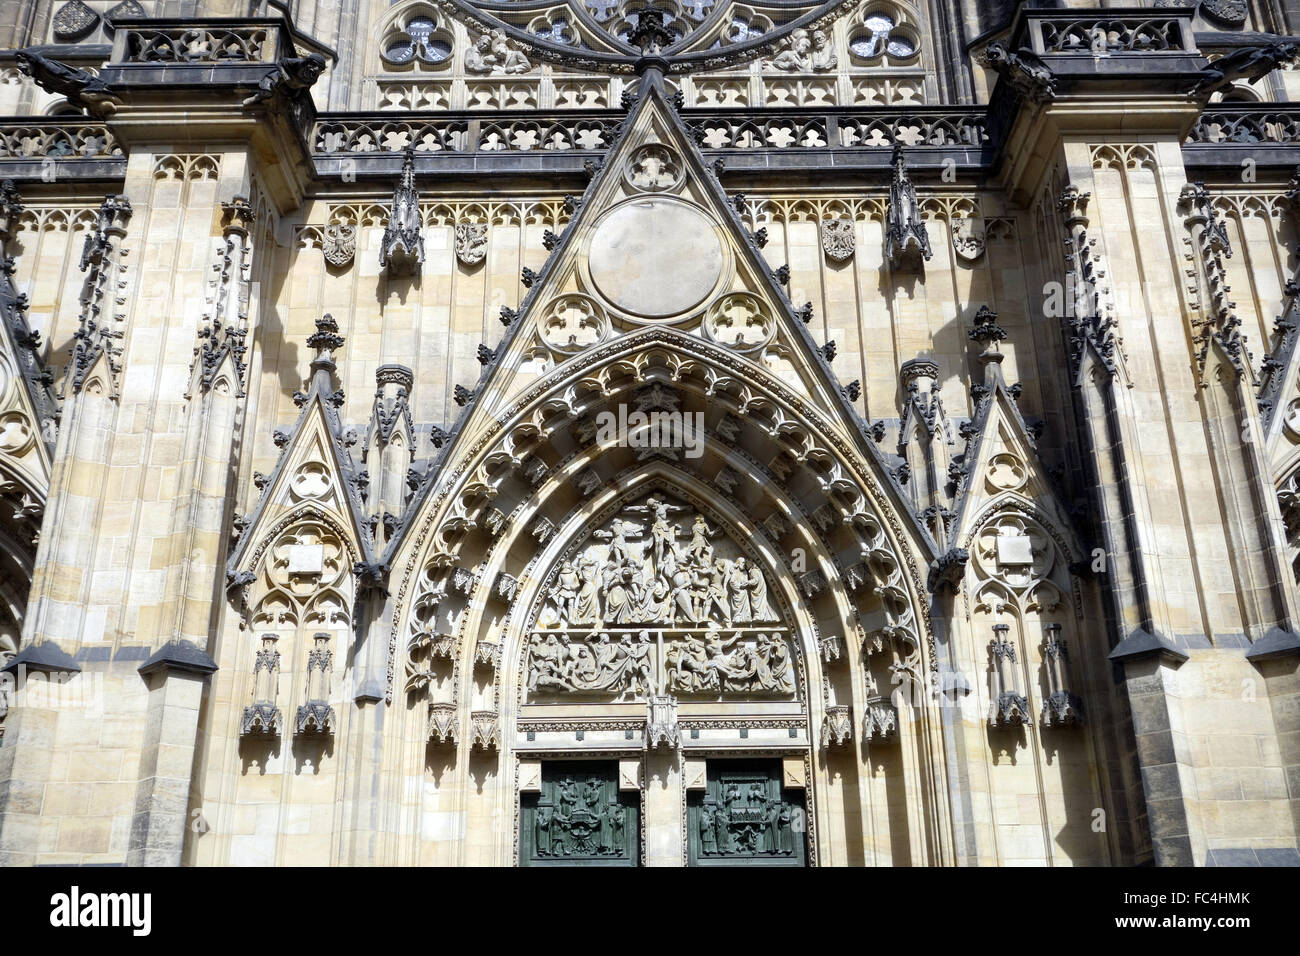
[772,466]
[780,437]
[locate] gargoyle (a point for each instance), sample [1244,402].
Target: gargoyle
[1027,74]
[237,581]
[79,87]
[1251,63]
[290,75]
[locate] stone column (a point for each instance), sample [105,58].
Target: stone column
[664,827]
[177,676]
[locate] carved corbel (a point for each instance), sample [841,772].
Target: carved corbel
[1061,708]
[837,726]
[487,730]
[661,723]
[442,728]
[831,648]
[880,719]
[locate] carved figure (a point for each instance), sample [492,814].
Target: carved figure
[492,53]
[1023,70]
[804,52]
[77,86]
[1251,63]
[290,75]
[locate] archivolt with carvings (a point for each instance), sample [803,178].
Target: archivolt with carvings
[462,500]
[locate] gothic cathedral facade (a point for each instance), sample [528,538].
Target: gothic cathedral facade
[649,432]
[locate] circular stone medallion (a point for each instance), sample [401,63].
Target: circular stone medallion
[655,258]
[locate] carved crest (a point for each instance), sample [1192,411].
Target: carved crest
[1230,12]
[74,21]
[968,237]
[838,239]
[124,10]
[471,242]
[339,244]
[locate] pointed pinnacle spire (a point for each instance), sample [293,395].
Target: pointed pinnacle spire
[988,334]
[401,250]
[325,340]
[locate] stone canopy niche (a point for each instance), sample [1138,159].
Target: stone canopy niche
[658,600]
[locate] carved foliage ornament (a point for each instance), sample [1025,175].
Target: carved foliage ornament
[573,322]
[740,321]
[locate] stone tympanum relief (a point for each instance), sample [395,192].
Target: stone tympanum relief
[658,600]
